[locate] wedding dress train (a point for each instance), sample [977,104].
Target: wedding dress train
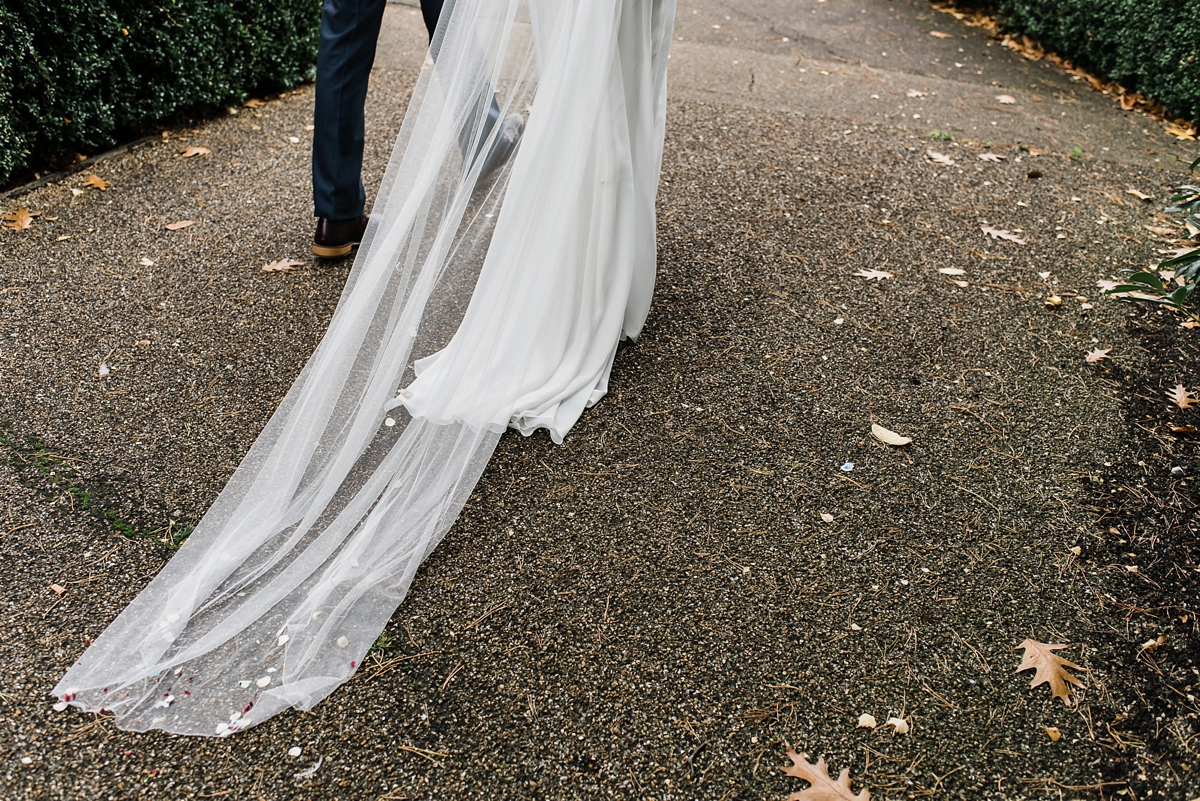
[466,312]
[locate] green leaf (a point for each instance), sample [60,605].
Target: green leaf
[1195,164]
[1149,279]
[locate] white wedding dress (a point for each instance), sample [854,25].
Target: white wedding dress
[466,312]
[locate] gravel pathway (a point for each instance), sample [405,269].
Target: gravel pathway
[721,559]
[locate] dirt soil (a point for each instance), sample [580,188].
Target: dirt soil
[659,607]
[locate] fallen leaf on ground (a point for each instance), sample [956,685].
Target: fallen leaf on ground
[1189,324]
[254,102]
[20,219]
[1157,229]
[951,271]
[1152,645]
[1050,668]
[1179,131]
[1105,285]
[1181,429]
[828,518]
[282,266]
[991,157]
[1007,100]
[899,724]
[823,787]
[193,150]
[175,226]
[941,35]
[877,275]
[1182,397]
[1053,733]
[1096,354]
[890,437]
[939,158]
[96,182]
[1000,233]
[1139,195]
[866,721]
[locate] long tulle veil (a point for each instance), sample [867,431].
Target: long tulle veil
[467,310]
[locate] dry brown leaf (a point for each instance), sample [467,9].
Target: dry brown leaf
[1180,131]
[939,158]
[96,182]
[1181,429]
[254,102]
[1000,233]
[20,219]
[890,437]
[175,226]
[282,266]
[1096,354]
[877,275]
[1007,100]
[193,150]
[1050,668]
[1053,733]
[1189,324]
[996,157]
[1155,229]
[941,35]
[1182,397]
[1139,195]
[823,787]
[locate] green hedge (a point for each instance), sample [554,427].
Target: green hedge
[1147,46]
[80,74]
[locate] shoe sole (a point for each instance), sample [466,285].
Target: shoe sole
[327,252]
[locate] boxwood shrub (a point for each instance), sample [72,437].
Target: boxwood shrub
[81,74]
[1147,46]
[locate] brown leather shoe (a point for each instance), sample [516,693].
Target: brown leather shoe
[336,238]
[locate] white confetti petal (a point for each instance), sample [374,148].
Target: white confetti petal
[899,724]
[866,721]
[294,751]
[264,681]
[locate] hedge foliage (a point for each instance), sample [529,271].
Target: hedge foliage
[79,74]
[1147,46]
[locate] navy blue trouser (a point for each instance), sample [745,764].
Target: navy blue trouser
[349,30]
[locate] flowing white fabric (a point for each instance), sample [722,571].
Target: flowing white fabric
[467,310]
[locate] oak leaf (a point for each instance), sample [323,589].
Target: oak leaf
[1096,354]
[96,182]
[1000,233]
[1050,668]
[282,266]
[193,150]
[877,275]
[1182,397]
[20,219]
[939,158]
[823,787]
